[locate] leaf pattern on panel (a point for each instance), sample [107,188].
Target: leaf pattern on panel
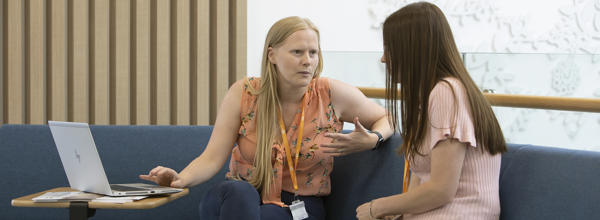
[573,29]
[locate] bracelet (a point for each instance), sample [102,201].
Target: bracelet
[371,210]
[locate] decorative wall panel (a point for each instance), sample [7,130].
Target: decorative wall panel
[120,62]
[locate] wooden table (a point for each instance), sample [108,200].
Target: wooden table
[84,210]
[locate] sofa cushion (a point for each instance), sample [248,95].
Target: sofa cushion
[361,177]
[30,164]
[549,183]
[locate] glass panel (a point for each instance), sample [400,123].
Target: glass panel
[568,75]
[572,75]
[362,69]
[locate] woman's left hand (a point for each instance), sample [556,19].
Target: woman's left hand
[364,212]
[342,144]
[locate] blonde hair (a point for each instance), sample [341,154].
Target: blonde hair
[268,100]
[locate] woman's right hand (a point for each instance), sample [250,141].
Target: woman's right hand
[164,176]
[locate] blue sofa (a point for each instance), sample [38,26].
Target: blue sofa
[535,182]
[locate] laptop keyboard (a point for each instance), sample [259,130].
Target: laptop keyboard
[125,188]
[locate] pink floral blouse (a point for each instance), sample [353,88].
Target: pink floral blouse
[314,166]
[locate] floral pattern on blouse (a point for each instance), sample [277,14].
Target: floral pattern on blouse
[314,166]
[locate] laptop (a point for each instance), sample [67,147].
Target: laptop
[83,167]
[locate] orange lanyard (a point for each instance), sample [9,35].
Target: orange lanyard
[406,178]
[287,146]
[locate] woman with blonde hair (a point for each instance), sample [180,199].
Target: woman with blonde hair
[282,131]
[452,141]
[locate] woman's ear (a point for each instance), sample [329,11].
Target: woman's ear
[271,55]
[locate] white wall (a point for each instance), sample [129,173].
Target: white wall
[347,30]
[561,40]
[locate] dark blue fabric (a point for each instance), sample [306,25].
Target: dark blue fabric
[549,183]
[233,199]
[361,177]
[535,182]
[30,163]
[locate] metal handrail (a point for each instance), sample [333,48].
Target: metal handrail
[522,101]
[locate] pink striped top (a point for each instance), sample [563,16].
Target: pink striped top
[477,196]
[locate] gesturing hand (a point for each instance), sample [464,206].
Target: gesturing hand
[164,176]
[342,144]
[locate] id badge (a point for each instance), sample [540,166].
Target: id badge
[298,210]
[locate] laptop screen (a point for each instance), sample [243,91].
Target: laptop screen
[79,156]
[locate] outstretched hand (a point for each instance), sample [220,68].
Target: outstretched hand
[342,144]
[164,176]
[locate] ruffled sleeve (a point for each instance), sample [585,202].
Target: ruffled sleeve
[449,114]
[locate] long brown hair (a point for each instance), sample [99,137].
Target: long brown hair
[268,99]
[420,51]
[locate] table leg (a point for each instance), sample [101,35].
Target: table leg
[80,211]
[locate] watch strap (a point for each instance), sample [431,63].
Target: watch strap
[379,139]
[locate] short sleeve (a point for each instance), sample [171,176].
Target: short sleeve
[449,114]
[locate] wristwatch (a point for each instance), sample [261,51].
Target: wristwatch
[379,139]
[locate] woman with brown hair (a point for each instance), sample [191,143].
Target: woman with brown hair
[452,141]
[279,130]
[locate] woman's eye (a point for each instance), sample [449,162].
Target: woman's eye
[296,51]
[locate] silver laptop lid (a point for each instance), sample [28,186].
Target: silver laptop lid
[79,157]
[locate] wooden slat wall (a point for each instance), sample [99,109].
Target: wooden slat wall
[2,70]
[99,62]
[237,50]
[201,65]
[219,49]
[162,62]
[122,55]
[14,82]
[181,70]
[78,74]
[56,97]
[35,65]
[141,25]
[126,62]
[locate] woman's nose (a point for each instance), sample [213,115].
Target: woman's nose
[306,59]
[382,58]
